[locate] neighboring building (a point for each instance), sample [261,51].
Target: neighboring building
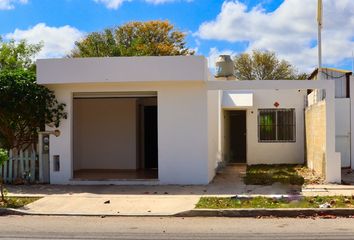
[166,120]
[341,77]
[344,104]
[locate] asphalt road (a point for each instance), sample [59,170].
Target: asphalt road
[30,227]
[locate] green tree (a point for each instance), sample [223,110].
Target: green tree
[25,108]
[152,38]
[3,158]
[14,55]
[264,66]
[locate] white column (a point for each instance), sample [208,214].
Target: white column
[351,85]
[333,160]
[40,156]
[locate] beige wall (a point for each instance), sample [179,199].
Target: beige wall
[105,133]
[316,137]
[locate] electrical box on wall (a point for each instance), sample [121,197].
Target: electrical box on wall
[45,163]
[45,144]
[44,166]
[56,163]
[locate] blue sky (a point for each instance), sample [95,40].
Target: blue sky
[213,26]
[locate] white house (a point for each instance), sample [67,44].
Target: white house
[167,120]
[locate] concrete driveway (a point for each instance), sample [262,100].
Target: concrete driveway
[226,183]
[110,205]
[139,200]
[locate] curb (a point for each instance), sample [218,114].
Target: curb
[240,213]
[19,212]
[328,188]
[292,213]
[10,211]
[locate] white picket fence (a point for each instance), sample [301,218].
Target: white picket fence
[23,167]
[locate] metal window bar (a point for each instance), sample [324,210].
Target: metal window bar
[276,125]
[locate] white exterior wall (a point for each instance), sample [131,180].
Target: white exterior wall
[122,69]
[274,153]
[214,130]
[62,145]
[183,134]
[182,130]
[189,112]
[333,163]
[339,78]
[343,129]
[352,120]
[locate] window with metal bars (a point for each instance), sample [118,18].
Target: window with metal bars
[276,125]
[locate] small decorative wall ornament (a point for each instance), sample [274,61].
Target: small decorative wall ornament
[276,104]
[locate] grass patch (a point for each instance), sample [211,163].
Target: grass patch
[269,174]
[264,202]
[17,202]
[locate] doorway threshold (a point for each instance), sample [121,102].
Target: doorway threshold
[237,164]
[122,182]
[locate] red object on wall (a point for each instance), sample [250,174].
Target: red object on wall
[276,104]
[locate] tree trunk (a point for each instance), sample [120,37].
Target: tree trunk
[15,164]
[2,190]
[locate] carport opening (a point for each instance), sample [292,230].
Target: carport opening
[115,136]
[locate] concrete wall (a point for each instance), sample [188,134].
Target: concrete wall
[316,137]
[214,130]
[186,125]
[340,79]
[182,130]
[333,169]
[352,120]
[122,69]
[105,133]
[183,134]
[273,153]
[316,96]
[343,130]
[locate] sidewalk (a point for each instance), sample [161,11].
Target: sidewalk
[228,183]
[138,200]
[153,200]
[332,189]
[108,205]
[328,190]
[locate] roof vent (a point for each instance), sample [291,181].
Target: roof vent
[224,67]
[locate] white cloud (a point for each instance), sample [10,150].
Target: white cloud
[115,4]
[10,4]
[58,41]
[164,1]
[290,30]
[112,4]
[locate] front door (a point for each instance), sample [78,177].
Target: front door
[150,137]
[238,137]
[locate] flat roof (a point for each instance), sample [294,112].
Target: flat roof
[122,69]
[315,72]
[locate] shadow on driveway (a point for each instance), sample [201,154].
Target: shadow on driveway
[228,182]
